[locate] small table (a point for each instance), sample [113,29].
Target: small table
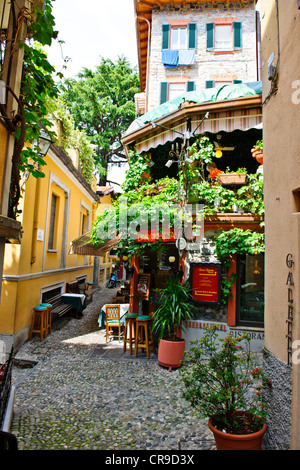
[123,310]
[76,300]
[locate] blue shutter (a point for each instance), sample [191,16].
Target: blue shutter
[190,86]
[209,84]
[210,36]
[165,36]
[192,29]
[163,92]
[237,35]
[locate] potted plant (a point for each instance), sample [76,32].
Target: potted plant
[168,320]
[257,151]
[223,384]
[237,177]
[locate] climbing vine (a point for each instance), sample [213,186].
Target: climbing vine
[37,83]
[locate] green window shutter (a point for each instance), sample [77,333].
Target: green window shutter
[237,35]
[209,84]
[210,36]
[163,92]
[237,81]
[165,36]
[192,29]
[190,86]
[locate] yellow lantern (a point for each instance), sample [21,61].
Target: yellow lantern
[125,258]
[171,259]
[218,153]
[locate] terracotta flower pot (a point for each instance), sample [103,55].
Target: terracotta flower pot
[171,353]
[226,441]
[258,154]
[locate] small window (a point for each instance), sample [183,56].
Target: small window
[168,91]
[83,223]
[176,89]
[223,37]
[178,38]
[53,222]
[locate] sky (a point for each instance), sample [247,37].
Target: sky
[92,29]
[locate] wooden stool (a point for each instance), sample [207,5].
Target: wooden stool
[39,322]
[142,334]
[129,325]
[48,316]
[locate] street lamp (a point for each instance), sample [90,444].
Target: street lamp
[44,143]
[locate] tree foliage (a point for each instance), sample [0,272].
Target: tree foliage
[102,105]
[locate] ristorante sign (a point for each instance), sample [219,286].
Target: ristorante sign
[206,282]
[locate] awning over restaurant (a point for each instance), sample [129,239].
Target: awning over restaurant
[83,246]
[230,107]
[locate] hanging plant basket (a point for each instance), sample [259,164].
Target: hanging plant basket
[232,179]
[258,154]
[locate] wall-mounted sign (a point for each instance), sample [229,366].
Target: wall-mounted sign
[40,235]
[143,285]
[206,282]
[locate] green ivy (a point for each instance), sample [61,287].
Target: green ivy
[139,166]
[238,242]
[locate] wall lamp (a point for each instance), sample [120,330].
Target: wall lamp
[44,143]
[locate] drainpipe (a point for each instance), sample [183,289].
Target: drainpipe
[148,55]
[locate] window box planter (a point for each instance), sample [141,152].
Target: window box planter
[232,179]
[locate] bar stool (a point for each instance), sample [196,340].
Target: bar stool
[131,326]
[38,323]
[48,316]
[143,336]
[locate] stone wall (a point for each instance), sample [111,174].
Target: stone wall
[278,399]
[237,65]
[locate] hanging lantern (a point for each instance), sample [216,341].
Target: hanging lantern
[218,153]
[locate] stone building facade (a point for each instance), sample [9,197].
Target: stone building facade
[218,45]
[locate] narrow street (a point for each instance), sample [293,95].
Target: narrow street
[74,392]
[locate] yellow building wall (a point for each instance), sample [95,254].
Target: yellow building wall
[31,266]
[3,143]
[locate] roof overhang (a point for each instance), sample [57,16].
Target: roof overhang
[228,115]
[143,11]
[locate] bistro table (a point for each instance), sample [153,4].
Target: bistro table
[77,301]
[123,310]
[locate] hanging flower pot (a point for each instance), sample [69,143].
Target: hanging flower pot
[258,154]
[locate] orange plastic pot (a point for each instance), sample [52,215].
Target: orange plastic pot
[225,441]
[171,353]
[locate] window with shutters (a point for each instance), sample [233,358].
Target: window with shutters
[178,37]
[224,37]
[178,44]
[176,89]
[169,91]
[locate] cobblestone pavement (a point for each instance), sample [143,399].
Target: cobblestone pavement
[75,392]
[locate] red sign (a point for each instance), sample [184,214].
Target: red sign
[206,283]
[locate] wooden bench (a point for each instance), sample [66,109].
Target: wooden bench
[59,308]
